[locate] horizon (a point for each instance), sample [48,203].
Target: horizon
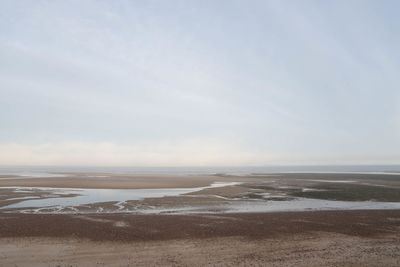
[203,169]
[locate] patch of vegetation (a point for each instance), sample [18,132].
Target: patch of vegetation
[279,198]
[341,176]
[351,192]
[221,175]
[254,196]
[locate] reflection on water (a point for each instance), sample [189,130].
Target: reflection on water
[58,200]
[90,196]
[303,204]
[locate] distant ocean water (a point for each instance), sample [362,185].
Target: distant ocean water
[42,171]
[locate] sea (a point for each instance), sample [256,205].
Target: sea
[52,171]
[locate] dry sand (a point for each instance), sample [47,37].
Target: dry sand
[121,181]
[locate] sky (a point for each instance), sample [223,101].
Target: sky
[199,83]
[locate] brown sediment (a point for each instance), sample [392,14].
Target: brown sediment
[120,181]
[317,238]
[269,188]
[166,227]
[323,238]
[313,249]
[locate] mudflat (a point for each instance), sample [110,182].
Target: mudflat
[117,181]
[320,249]
[129,228]
[344,238]
[111,234]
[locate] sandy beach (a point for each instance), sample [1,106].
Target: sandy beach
[115,181]
[194,227]
[334,238]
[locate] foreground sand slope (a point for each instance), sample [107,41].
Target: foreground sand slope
[313,249]
[333,238]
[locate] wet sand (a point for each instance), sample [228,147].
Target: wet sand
[321,249]
[120,181]
[335,238]
[317,238]
[255,193]
[104,227]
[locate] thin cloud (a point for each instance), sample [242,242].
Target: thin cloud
[268,81]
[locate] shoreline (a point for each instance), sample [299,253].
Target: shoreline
[84,194]
[289,238]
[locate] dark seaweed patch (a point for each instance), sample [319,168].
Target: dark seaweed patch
[351,192]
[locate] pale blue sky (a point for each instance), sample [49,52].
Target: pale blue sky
[199,82]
